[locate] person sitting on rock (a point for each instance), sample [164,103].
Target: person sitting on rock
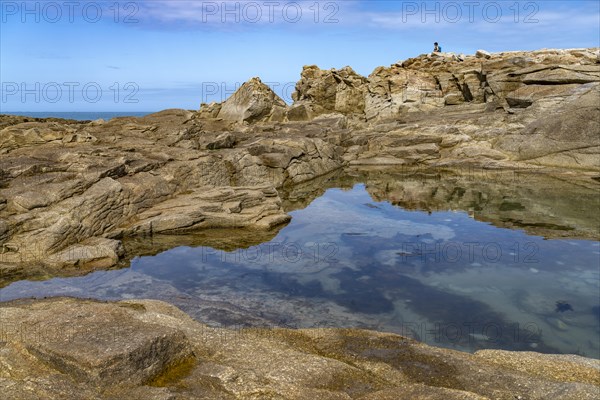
[437,48]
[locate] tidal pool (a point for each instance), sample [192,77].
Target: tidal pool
[456,260]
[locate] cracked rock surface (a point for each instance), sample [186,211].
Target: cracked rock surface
[74,349]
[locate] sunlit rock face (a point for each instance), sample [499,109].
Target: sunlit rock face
[253,102]
[323,92]
[550,99]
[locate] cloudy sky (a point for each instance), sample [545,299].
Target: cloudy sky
[156,54]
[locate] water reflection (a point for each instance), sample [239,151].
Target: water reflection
[357,254]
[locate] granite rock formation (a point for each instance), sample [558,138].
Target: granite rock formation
[70,191]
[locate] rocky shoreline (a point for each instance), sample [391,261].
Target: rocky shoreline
[74,349]
[73,192]
[70,191]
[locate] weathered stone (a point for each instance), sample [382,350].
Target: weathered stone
[252,102]
[330,91]
[453,99]
[223,141]
[209,209]
[483,54]
[210,110]
[563,132]
[298,112]
[4,228]
[559,76]
[99,345]
[93,253]
[100,189]
[393,91]
[148,349]
[526,95]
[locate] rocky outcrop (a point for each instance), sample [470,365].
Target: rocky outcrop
[210,209]
[483,54]
[323,92]
[253,102]
[526,85]
[510,93]
[565,133]
[69,202]
[73,349]
[395,91]
[71,191]
[443,79]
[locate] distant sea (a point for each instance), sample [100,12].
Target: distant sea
[81,116]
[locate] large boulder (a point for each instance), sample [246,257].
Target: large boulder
[253,102]
[327,91]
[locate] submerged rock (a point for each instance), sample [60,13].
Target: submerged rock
[563,306]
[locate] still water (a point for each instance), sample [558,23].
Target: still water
[465,262]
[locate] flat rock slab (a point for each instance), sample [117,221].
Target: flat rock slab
[566,367]
[100,344]
[558,77]
[226,207]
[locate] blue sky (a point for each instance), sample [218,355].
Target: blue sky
[152,55]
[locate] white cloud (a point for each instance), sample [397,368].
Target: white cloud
[485,17]
[260,12]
